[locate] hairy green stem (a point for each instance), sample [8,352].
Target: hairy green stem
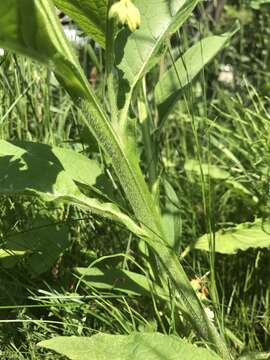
[137,193]
[132,181]
[115,144]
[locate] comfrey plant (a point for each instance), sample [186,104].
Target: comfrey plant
[134,37]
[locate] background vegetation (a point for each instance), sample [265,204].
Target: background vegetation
[221,123]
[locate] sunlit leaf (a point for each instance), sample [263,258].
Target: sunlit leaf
[183,71]
[90,16]
[51,173]
[214,171]
[137,346]
[31,27]
[241,237]
[137,53]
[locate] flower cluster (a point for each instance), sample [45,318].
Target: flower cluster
[126,13]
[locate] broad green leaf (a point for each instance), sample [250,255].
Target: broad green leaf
[43,245]
[78,167]
[90,16]
[242,237]
[138,52]
[169,88]
[124,281]
[47,172]
[214,171]
[31,28]
[137,346]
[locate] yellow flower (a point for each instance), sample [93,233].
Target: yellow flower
[126,13]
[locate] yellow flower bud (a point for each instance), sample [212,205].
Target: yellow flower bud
[125,12]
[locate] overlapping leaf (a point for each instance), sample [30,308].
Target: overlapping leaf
[43,244]
[90,16]
[32,28]
[52,173]
[138,52]
[184,70]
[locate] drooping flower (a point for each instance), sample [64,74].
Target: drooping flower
[126,13]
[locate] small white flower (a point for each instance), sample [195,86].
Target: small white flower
[209,313]
[226,74]
[2,52]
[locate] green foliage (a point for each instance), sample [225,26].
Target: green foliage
[52,174]
[57,174]
[169,88]
[214,171]
[241,237]
[171,218]
[118,347]
[42,38]
[256,4]
[90,16]
[137,53]
[125,281]
[43,245]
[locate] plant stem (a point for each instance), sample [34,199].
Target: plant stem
[148,145]
[132,181]
[110,38]
[192,308]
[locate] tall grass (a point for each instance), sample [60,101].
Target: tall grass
[216,125]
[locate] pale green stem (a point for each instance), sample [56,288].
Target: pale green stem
[147,141]
[110,39]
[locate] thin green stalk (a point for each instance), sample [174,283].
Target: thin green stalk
[219,343]
[124,112]
[191,306]
[148,144]
[110,38]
